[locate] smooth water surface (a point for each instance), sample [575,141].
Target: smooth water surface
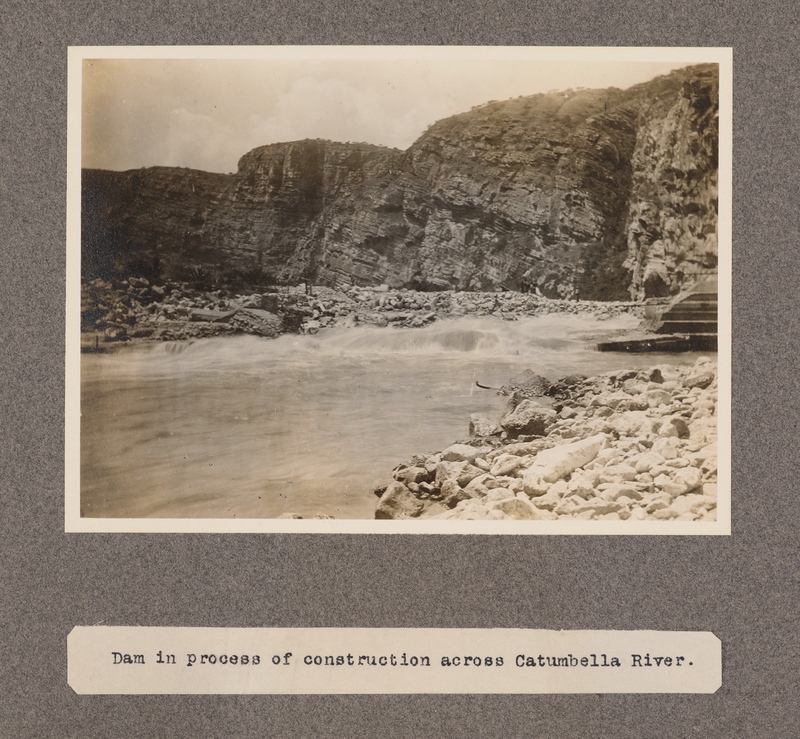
[252,428]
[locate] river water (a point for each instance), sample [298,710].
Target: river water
[252,428]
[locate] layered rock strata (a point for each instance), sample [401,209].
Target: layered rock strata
[593,194]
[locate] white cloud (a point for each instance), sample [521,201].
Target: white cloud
[206,114]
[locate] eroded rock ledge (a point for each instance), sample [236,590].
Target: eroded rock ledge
[625,445]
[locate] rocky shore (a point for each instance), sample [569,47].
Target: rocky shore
[623,446]
[118,311]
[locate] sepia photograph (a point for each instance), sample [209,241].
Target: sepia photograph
[399,290]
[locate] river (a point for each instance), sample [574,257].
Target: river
[251,428]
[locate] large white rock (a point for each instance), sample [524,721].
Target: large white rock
[556,463]
[460,453]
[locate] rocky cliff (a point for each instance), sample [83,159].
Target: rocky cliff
[672,214]
[585,193]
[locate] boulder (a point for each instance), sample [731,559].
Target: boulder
[477,487]
[452,494]
[647,461]
[668,447]
[581,486]
[529,385]
[482,464]
[481,426]
[653,375]
[677,462]
[657,502]
[657,397]
[681,427]
[460,453]
[634,386]
[468,473]
[505,463]
[258,321]
[462,472]
[498,494]
[667,429]
[688,477]
[618,473]
[534,485]
[633,404]
[633,423]
[548,501]
[449,471]
[700,379]
[529,418]
[511,404]
[413,475]
[398,503]
[556,463]
[567,505]
[269,302]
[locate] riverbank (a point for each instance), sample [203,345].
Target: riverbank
[624,445]
[116,312]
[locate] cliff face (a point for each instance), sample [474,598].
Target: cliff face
[587,193]
[672,221]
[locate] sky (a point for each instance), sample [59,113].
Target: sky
[206,113]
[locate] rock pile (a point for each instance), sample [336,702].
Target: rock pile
[622,446]
[382,306]
[136,309]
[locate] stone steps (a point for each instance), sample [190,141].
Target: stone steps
[694,315]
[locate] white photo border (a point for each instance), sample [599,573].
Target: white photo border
[73,520]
